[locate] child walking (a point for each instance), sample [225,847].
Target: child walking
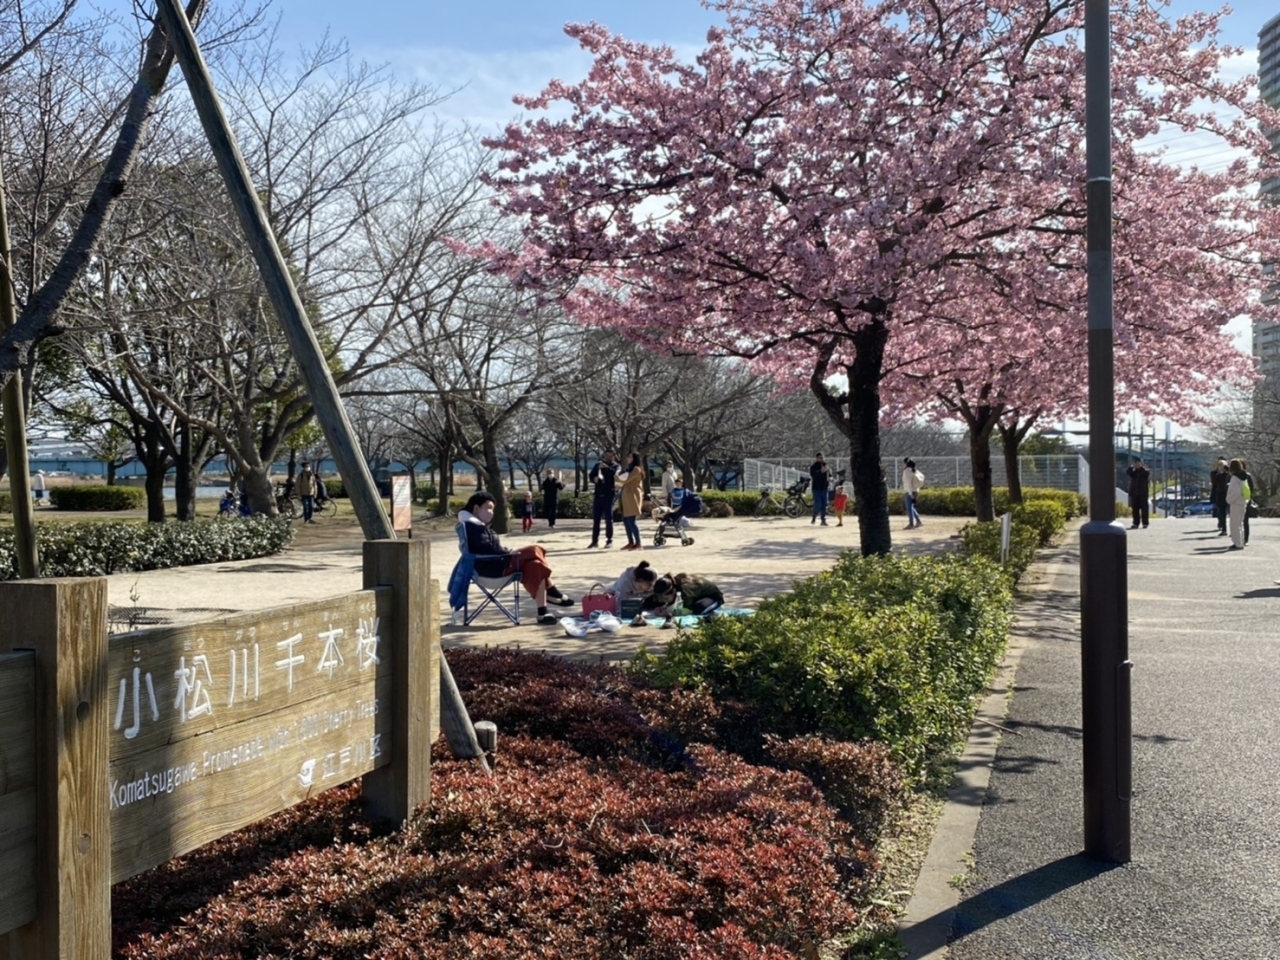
[839,503]
[526,512]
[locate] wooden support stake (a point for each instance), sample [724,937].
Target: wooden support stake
[65,623]
[405,566]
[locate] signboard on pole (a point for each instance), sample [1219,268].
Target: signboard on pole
[401,504]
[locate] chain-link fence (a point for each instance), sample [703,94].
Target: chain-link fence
[1059,471]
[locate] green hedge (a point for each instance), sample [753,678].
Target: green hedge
[6,502]
[982,540]
[958,501]
[99,548]
[97,498]
[879,648]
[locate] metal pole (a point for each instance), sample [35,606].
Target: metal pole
[321,389]
[1106,709]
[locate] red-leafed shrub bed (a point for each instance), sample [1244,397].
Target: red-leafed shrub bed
[614,827]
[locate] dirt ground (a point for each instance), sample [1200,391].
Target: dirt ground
[749,558]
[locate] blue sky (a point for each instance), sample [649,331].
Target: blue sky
[488,50]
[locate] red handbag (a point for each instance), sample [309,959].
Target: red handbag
[602,601]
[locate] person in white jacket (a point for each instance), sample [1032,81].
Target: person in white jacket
[1238,494]
[912,481]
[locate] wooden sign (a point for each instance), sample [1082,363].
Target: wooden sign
[17,790]
[218,725]
[401,503]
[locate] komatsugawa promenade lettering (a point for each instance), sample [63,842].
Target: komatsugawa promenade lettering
[231,671]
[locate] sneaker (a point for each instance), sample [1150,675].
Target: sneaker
[1234,547]
[561,601]
[592,545]
[609,542]
[639,621]
[547,619]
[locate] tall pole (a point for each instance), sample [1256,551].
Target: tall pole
[1106,714]
[321,389]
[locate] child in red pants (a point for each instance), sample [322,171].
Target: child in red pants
[839,503]
[526,512]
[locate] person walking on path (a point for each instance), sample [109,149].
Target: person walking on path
[1238,494]
[632,479]
[306,487]
[38,486]
[1253,488]
[912,481]
[820,483]
[669,476]
[1219,477]
[604,475]
[1140,493]
[551,487]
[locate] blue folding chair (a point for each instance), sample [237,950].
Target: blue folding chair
[464,575]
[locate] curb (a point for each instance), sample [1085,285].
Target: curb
[925,928]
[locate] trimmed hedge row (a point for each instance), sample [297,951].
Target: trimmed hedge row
[878,648]
[100,548]
[85,497]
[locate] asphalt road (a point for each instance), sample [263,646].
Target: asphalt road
[1205,877]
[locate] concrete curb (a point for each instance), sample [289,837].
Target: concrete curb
[925,928]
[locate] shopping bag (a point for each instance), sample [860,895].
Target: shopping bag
[604,602]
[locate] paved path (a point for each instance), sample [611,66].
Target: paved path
[1205,878]
[749,558]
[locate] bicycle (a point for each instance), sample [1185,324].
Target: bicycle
[798,500]
[285,504]
[769,503]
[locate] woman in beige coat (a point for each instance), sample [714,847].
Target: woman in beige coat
[632,479]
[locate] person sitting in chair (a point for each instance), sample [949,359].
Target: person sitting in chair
[494,560]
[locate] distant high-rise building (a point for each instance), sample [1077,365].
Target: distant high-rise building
[1266,336]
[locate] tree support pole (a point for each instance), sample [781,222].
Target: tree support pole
[1106,707]
[321,389]
[15,421]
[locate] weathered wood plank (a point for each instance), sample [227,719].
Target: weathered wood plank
[18,855]
[405,566]
[17,721]
[65,623]
[175,797]
[176,683]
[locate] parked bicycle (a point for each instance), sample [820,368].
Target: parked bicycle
[769,504]
[291,508]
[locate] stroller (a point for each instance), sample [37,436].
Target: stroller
[672,522]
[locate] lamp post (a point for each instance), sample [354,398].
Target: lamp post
[1106,715]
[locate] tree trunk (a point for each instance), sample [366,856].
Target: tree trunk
[862,426]
[111,473]
[494,484]
[184,480]
[257,487]
[981,421]
[157,465]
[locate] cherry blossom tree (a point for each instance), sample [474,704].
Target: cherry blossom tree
[836,188]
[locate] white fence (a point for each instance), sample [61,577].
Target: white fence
[1061,472]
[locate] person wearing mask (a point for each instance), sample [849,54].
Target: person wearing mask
[1140,493]
[306,487]
[632,479]
[820,484]
[494,560]
[604,476]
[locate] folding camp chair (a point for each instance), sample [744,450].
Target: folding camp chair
[464,575]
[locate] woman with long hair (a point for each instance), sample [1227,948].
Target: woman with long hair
[632,479]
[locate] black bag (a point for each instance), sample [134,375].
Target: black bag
[1251,510]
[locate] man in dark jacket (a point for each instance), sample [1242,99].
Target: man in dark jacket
[603,475]
[1140,493]
[820,477]
[1219,477]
